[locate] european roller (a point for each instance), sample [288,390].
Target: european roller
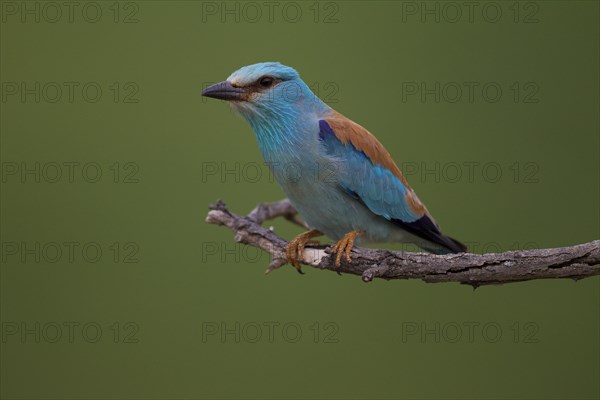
[339,177]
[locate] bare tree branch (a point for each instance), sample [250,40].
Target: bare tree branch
[574,262]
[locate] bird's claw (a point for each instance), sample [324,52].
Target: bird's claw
[344,246]
[295,248]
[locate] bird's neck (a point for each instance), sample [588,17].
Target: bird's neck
[286,128]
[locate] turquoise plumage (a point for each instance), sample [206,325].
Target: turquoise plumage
[339,176]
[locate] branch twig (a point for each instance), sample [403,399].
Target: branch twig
[574,262]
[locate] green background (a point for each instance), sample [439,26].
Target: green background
[190,276]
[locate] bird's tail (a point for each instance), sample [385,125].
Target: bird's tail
[433,241]
[445,245]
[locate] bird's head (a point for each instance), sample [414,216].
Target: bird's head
[265,90]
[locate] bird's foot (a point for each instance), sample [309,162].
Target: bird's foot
[344,246]
[295,247]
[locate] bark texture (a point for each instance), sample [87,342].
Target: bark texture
[574,262]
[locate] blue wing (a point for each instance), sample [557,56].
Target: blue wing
[378,188]
[369,174]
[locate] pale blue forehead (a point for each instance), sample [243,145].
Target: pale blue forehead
[250,73]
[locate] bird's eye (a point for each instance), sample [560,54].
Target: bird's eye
[266,81]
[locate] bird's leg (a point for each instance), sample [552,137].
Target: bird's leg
[296,246]
[344,247]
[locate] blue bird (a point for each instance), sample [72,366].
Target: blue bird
[339,177]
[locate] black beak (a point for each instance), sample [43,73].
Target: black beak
[224,91]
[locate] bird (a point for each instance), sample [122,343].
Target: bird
[337,175]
